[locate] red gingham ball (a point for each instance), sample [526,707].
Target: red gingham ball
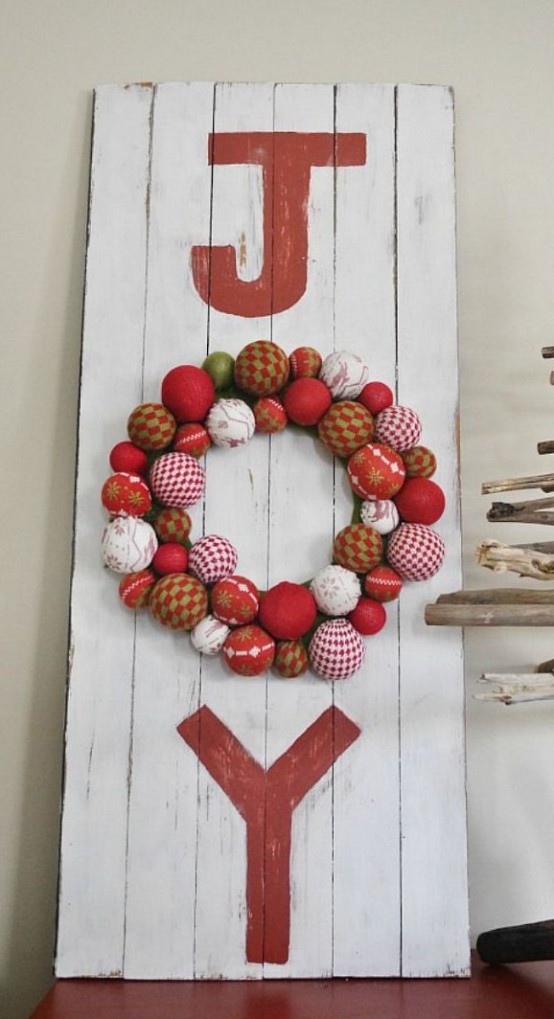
[212,558]
[398,427]
[177,479]
[416,552]
[188,392]
[336,650]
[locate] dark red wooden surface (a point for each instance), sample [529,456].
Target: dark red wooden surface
[523,991]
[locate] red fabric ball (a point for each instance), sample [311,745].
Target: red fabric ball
[249,651]
[368,617]
[191,438]
[287,611]
[383,584]
[127,457]
[270,415]
[171,558]
[135,588]
[420,501]
[306,401]
[126,495]
[376,471]
[305,362]
[235,600]
[188,392]
[376,396]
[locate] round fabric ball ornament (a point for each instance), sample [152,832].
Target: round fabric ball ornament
[249,651]
[336,590]
[261,368]
[368,617]
[336,650]
[212,558]
[420,501]
[177,480]
[172,524]
[381,514]
[305,362]
[209,635]
[128,544]
[191,438]
[358,548]
[126,495]
[382,584]
[287,611]
[344,374]
[230,423]
[135,588]
[345,427]
[270,415]
[127,457]
[178,601]
[188,392]
[376,396]
[220,366]
[235,600]
[306,401]
[376,472]
[398,427]
[151,426]
[170,558]
[415,551]
[420,462]
[291,659]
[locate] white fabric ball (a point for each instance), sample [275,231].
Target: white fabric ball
[230,423]
[381,514]
[128,544]
[336,590]
[209,635]
[336,650]
[344,374]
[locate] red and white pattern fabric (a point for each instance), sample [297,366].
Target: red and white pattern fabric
[336,590]
[230,423]
[416,552]
[398,427]
[177,480]
[336,650]
[344,374]
[212,558]
[128,544]
[209,635]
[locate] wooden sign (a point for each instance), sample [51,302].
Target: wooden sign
[215,826]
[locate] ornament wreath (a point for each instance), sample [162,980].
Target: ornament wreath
[193,586]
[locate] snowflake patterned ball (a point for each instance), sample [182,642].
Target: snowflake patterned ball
[235,600]
[209,635]
[376,472]
[381,514]
[336,590]
[344,374]
[212,558]
[336,650]
[249,651]
[128,544]
[230,423]
[177,480]
[126,495]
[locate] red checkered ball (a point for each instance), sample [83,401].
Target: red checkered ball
[135,588]
[382,584]
[178,601]
[172,524]
[376,396]
[291,659]
[209,636]
[170,558]
[336,590]
[398,427]
[376,472]
[345,374]
[306,401]
[368,617]
[336,650]
[420,501]
[270,415]
[249,651]
[416,552]
[150,426]
[358,548]
[128,544]
[345,427]
[420,462]
[230,423]
[177,480]
[287,611]
[305,362]
[192,438]
[188,392]
[126,495]
[212,558]
[235,600]
[127,457]
[261,368]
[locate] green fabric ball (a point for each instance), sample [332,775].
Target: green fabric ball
[221,367]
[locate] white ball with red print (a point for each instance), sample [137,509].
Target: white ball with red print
[344,374]
[230,423]
[381,514]
[209,635]
[336,590]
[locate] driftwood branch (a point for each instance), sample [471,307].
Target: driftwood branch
[498,596]
[542,481]
[547,351]
[493,555]
[489,615]
[546,447]
[528,942]
[515,688]
[533,511]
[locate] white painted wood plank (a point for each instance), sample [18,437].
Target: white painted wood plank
[434,869]
[236,507]
[92,890]
[366,886]
[161,877]
[300,537]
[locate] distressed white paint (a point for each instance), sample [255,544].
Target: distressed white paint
[154,855]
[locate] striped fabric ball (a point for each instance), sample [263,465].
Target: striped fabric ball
[261,368]
[172,524]
[420,462]
[151,426]
[230,423]
[345,427]
[416,552]
[358,548]
[179,601]
[291,659]
[383,584]
[305,362]
[135,588]
[398,427]
[191,438]
[336,650]
[212,558]
[344,374]
[177,480]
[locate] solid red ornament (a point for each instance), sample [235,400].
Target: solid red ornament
[376,472]
[291,659]
[368,617]
[306,401]
[376,396]
[420,501]
[170,558]
[249,651]
[135,588]
[188,392]
[191,438]
[127,457]
[172,524]
[305,362]
[382,584]
[235,600]
[126,495]
[270,415]
[287,611]
[150,426]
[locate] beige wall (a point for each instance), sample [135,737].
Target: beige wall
[498,55]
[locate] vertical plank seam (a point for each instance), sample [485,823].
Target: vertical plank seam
[334,313]
[398,616]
